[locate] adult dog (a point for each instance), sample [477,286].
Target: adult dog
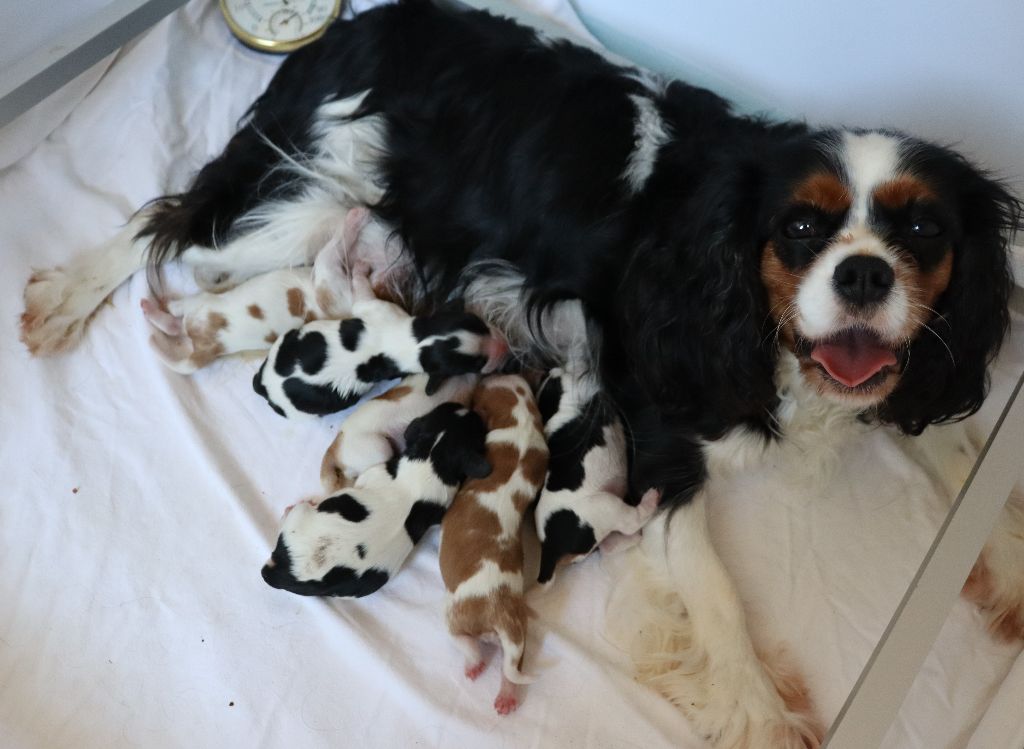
[737,277]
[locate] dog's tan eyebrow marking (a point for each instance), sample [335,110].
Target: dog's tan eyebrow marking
[902,191]
[823,190]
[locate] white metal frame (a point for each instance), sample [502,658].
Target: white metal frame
[41,73]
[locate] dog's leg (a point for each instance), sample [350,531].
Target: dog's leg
[475,661]
[694,647]
[996,584]
[60,302]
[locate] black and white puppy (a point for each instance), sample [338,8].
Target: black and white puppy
[325,366]
[351,543]
[583,501]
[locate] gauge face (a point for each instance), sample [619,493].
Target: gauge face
[279,25]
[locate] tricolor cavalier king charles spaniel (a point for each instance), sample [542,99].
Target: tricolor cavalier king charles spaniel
[729,271]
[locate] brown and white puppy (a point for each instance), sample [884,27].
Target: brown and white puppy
[481,549]
[196,329]
[375,431]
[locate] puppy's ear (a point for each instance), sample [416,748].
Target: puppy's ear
[476,466]
[434,383]
[946,377]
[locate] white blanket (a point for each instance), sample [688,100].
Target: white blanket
[139,505]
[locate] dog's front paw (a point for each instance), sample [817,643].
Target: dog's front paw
[57,309]
[996,584]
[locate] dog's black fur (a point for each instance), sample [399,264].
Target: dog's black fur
[503,146]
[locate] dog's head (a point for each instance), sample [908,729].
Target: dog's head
[885,267]
[878,260]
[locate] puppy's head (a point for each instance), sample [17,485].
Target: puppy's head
[451,437]
[454,342]
[285,377]
[564,538]
[320,551]
[884,264]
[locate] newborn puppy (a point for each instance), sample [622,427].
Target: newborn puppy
[195,330]
[375,430]
[326,366]
[582,504]
[481,549]
[353,542]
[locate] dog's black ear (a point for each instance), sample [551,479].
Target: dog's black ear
[946,377]
[693,309]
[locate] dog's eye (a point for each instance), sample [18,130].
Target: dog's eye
[802,228]
[925,227]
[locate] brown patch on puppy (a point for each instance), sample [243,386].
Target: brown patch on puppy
[296,302]
[495,406]
[206,345]
[255,311]
[504,460]
[310,316]
[270,337]
[782,286]
[476,527]
[395,393]
[902,191]
[332,478]
[501,609]
[824,190]
[535,465]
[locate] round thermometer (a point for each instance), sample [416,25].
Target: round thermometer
[279,25]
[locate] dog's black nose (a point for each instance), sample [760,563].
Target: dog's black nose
[863,279]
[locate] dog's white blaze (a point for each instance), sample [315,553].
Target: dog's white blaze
[869,160]
[650,135]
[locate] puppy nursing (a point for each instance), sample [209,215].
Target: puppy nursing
[583,502]
[326,366]
[481,552]
[352,542]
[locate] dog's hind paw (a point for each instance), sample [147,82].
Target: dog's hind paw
[58,307]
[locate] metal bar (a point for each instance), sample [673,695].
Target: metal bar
[883,684]
[38,75]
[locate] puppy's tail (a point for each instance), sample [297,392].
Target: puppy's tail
[512,658]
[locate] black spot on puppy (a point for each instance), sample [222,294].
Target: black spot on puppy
[361,551]
[351,331]
[442,357]
[257,385]
[570,444]
[316,399]
[421,517]
[447,322]
[347,506]
[564,533]
[308,351]
[549,398]
[452,438]
[377,368]
[339,581]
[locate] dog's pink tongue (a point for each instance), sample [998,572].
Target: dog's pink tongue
[853,357]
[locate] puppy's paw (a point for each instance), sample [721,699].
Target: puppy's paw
[473,671]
